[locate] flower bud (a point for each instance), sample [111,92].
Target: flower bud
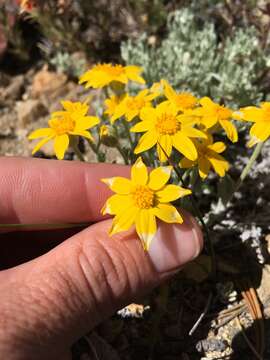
[108,136]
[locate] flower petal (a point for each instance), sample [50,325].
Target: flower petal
[117,204]
[60,145]
[185,146]
[229,129]
[40,144]
[44,132]
[164,147]
[142,126]
[204,166]
[118,184]
[146,226]
[146,142]
[218,147]
[139,173]
[220,165]
[124,220]
[186,163]
[252,113]
[171,193]
[168,213]
[82,133]
[260,130]
[148,114]
[159,177]
[192,132]
[86,122]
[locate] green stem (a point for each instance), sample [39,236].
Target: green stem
[127,131]
[246,169]
[77,152]
[122,153]
[42,226]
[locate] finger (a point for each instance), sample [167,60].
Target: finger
[53,300]
[48,191]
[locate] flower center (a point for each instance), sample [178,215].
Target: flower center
[116,70]
[185,100]
[167,124]
[143,197]
[62,125]
[222,112]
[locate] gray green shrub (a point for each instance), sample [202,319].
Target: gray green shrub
[192,57]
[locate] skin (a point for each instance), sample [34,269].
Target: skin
[57,285]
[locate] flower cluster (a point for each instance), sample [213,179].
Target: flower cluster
[164,126]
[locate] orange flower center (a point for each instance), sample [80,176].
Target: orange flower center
[62,125]
[143,197]
[167,124]
[115,70]
[185,100]
[223,113]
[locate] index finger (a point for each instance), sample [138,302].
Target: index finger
[51,191]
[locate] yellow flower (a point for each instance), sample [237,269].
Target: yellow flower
[164,128]
[111,104]
[182,101]
[260,131]
[63,124]
[131,106]
[104,74]
[142,199]
[212,113]
[208,156]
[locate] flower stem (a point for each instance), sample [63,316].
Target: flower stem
[246,169]
[127,131]
[122,153]
[77,151]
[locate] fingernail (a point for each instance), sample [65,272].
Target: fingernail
[175,244]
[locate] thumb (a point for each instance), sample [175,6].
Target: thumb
[50,302]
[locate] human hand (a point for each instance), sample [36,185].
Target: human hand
[48,302]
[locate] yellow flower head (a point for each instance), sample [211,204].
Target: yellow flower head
[131,106]
[63,124]
[260,131]
[212,113]
[142,199]
[182,101]
[164,128]
[111,104]
[208,157]
[104,74]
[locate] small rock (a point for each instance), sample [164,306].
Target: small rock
[28,111]
[15,88]
[47,83]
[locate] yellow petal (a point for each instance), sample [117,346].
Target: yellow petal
[171,193]
[207,102]
[192,132]
[148,114]
[146,226]
[139,173]
[252,113]
[185,146]
[186,163]
[260,130]
[118,184]
[164,147]
[146,142]
[82,133]
[204,167]
[86,122]
[218,147]
[40,144]
[44,132]
[60,145]
[133,72]
[117,204]
[124,220]
[142,126]
[229,129]
[159,177]
[209,121]
[220,165]
[168,213]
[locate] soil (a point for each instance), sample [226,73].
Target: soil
[235,303]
